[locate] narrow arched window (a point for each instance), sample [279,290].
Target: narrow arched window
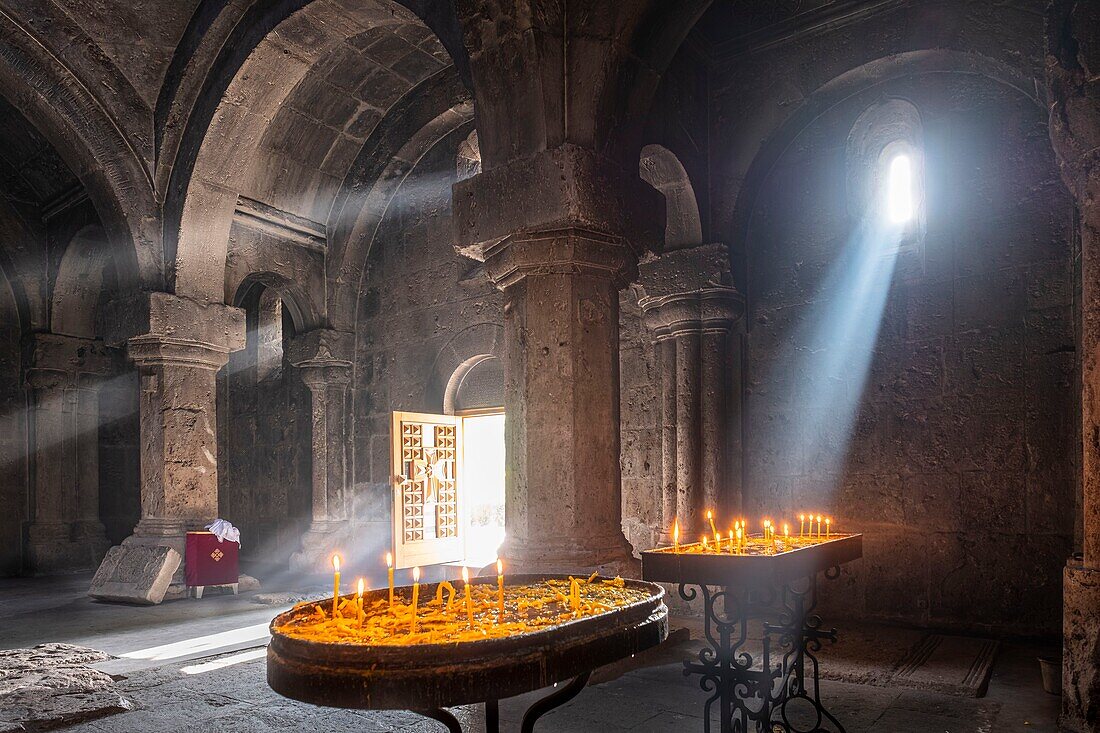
[886,174]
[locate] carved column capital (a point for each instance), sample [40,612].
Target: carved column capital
[568,251]
[323,357]
[709,310]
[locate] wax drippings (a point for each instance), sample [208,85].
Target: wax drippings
[527,608]
[752,545]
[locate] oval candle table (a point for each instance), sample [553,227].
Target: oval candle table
[429,677]
[773,579]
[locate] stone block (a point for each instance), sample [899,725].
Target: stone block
[1080,642]
[135,574]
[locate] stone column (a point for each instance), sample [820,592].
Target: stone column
[178,345]
[88,531]
[66,533]
[324,361]
[693,313]
[560,236]
[1073,73]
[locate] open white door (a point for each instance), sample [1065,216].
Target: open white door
[427,508]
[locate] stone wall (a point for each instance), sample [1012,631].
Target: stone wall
[959,460]
[264,445]
[13,439]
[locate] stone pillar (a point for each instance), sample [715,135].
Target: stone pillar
[178,345]
[66,533]
[693,312]
[1073,74]
[324,361]
[560,235]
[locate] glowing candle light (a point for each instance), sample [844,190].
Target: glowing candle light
[500,592]
[710,518]
[676,535]
[359,599]
[739,540]
[469,605]
[704,543]
[416,598]
[389,572]
[786,531]
[732,545]
[828,527]
[801,525]
[335,585]
[819,526]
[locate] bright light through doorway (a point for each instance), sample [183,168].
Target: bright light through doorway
[483,486]
[899,190]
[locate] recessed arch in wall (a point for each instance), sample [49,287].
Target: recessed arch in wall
[79,287]
[475,348]
[660,168]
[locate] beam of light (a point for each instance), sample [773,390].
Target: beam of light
[826,358]
[229,661]
[199,645]
[899,190]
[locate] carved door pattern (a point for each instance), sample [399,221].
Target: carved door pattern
[427,508]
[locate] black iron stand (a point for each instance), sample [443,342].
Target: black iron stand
[492,709]
[778,696]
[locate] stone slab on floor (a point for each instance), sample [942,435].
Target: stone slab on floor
[49,687]
[135,574]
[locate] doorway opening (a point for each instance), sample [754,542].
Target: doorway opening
[481,481]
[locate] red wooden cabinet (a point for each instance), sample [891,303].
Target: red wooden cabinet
[209,562]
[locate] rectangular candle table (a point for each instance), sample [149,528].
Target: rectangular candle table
[766,578]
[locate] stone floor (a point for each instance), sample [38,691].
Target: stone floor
[166,671]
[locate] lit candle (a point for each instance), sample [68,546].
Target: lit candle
[335,585]
[469,605]
[500,592]
[828,527]
[359,599]
[786,531]
[739,538]
[801,525]
[710,518]
[389,572]
[416,597]
[819,526]
[704,543]
[676,535]
[767,527]
[732,545]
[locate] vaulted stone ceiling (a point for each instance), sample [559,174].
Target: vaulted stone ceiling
[31,171]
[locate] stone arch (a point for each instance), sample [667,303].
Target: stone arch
[277,50]
[859,80]
[435,110]
[79,286]
[466,349]
[303,313]
[660,168]
[56,91]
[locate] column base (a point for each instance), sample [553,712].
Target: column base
[166,533]
[319,543]
[611,557]
[1080,649]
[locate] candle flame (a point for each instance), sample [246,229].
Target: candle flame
[465,576]
[500,567]
[819,518]
[389,559]
[361,586]
[802,517]
[336,563]
[710,514]
[416,575]
[676,532]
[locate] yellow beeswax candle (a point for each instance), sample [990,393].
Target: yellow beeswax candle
[704,543]
[739,539]
[335,585]
[801,525]
[819,526]
[676,535]
[361,586]
[389,572]
[416,598]
[828,527]
[469,605]
[500,592]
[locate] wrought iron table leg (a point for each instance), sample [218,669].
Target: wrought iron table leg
[553,700]
[443,716]
[492,716]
